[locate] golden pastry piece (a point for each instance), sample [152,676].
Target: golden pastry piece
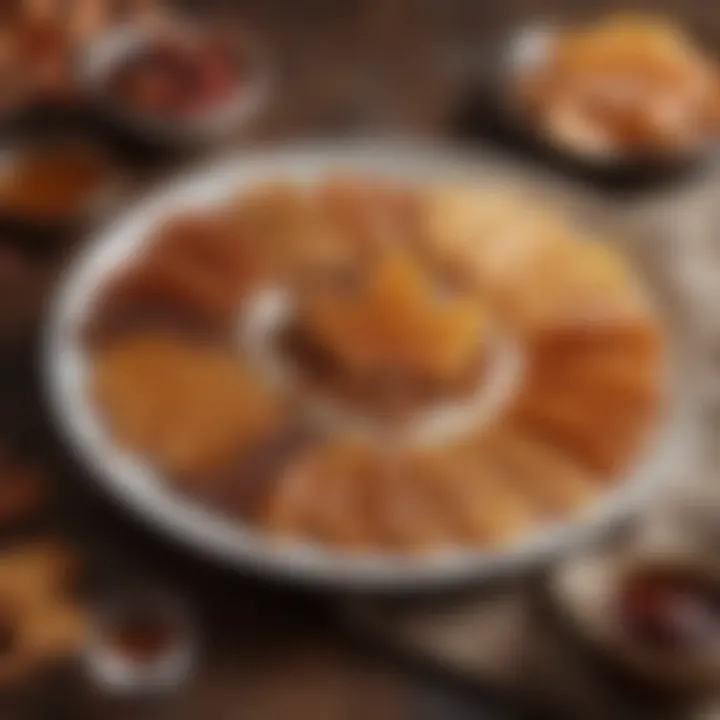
[192,410]
[626,342]
[470,494]
[604,431]
[585,284]
[194,275]
[488,236]
[536,270]
[39,620]
[330,229]
[355,495]
[290,228]
[170,295]
[630,378]
[209,242]
[372,215]
[319,497]
[398,322]
[556,484]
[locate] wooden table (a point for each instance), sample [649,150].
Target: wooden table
[271,652]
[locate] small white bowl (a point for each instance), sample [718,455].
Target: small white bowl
[251,94]
[588,591]
[117,672]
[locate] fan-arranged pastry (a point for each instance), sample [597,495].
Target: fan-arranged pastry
[488,368]
[192,409]
[194,274]
[345,492]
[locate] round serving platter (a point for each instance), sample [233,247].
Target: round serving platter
[133,482]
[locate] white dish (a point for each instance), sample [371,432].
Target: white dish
[135,484]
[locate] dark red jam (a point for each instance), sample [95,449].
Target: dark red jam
[670,609]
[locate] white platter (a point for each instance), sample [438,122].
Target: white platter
[132,482]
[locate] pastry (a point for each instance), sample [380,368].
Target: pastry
[556,484]
[192,409]
[193,276]
[397,321]
[40,621]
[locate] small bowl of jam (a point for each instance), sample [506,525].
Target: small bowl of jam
[659,616]
[178,84]
[671,609]
[142,643]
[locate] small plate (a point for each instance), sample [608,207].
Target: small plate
[587,590]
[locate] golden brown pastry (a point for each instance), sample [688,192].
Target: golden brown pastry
[192,410]
[289,227]
[471,496]
[39,620]
[372,215]
[210,243]
[319,497]
[398,321]
[194,274]
[535,269]
[600,430]
[583,284]
[556,484]
[488,236]
[351,494]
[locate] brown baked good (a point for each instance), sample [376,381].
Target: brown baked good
[193,276]
[40,620]
[397,321]
[192,409]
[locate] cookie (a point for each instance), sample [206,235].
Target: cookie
[40,621]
